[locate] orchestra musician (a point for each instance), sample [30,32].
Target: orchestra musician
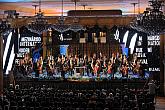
[124,60]
[124,70]
[141,71]
[39,65]
[104,67]
[113,58]
[76,60]
[109,69]
[137,67]
[134,65]
[115,64]
[52,66]
[89,65]
[65,65]
[71,65]
[96,68]
[49,67]
[64,68]
[40,68]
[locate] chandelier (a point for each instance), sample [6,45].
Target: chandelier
[39,24]
[76,26]
[61,26]
[152,21]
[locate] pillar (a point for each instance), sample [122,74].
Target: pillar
[162,65]
[44,45]
[1,66]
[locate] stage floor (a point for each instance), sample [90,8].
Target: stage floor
[81,81]
[88,77]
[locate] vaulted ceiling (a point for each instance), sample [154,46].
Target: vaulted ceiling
[53,7]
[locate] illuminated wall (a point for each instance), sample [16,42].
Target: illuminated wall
[145,47]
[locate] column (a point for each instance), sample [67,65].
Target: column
[1,66]
[162,64]
[44,41]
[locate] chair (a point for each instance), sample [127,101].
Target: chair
[21,108]
[37,108]
[45,108]
[13,107]
[6,107]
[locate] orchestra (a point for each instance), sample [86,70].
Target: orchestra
[94,65]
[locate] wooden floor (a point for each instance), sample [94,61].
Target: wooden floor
[160,103]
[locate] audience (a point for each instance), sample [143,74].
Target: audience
[49,98]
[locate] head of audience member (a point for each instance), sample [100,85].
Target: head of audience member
[17,87]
